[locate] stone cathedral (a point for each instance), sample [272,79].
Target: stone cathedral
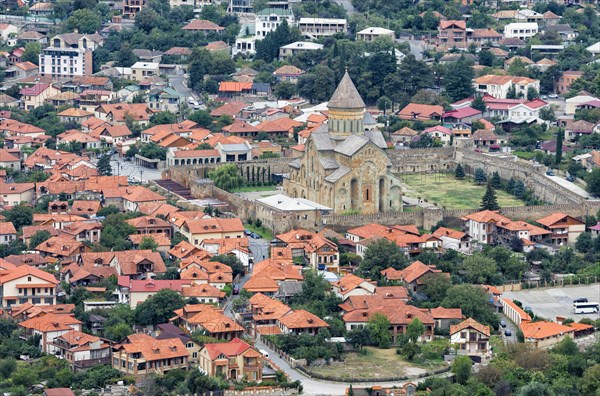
[343,166]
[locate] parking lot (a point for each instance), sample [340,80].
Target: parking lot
[553,302]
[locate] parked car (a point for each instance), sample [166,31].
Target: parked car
[507,333]
[550,173]
[580,300]
[553,96]
[502,323]
[236,289]
[254,235]
[247,232]
[570,178]
[191,100]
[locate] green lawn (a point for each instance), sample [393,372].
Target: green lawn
[451,193]
[256,188]
[264,232]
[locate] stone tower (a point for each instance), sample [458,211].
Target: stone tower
[346,110]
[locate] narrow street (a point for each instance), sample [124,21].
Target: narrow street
[319,387]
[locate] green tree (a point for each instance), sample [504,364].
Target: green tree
[125,56]
[535,389]
[7,367]
[560,135]
[232,261]
[480,176]
[473,301]
[517,68]
[85,21]
[478,268]
[479,104]
[461,368]
[226,177]
[104,167]
[519,189]
[20,215]
[590,383]
[512,92]
[285,90]
[163,117]
[489,200]
[148,243]
[32,53]
[547,114]
[115,232]
[158,308]
[435,287]
[486,58]
[593,182]
[458,81]
[459,172]
[118,331]
[153,151]
[584,242]
[108,210]
[38,238]
[317,86]
[496,180]
[380,255]
[532,93]
[384,103]
[379,328]
[415,329]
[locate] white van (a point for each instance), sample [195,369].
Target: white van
[191,100]
[264,353]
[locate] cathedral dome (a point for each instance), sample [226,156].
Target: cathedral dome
[346,95]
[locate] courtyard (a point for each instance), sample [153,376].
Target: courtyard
[447,191]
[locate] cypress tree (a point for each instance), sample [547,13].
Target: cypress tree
[496,180]
[489,200]
[559,143]
[459,172]
[480,176]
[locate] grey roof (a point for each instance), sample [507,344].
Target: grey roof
[289,288]
[234,147]
[368,119]
[376,137]
[346,95]
[321,140]
[146,53]
[351,145]
[328,163]
[561,28]
[337,174]
[73,38]
[261,87]
[295,163]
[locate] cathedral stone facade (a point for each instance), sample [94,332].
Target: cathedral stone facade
[343,166]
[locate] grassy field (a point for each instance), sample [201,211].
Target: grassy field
[255,188]
[373,364]
[450,193]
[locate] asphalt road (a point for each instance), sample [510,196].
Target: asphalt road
[178,82]
[347,4]
[511,339]
[552,302]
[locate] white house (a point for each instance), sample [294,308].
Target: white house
[352,285]
[572,103]
[297,47]
[453,239]
[373,33]
[143,70]
[8,34]
[481,226]
[470,338]
[269,19]
[499,86]
[521,30]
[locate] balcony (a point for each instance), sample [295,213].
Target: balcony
[84,364]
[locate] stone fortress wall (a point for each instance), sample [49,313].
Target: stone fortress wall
[403,161]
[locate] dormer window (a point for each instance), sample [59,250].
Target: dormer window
[57,43]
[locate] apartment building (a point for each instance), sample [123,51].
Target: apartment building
[314,28]
[269,19]
[521,30]
[69,55]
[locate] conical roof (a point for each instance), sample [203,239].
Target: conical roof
[346,95]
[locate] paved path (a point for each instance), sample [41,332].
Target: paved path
[569,185]
[314,386]
[347,4]
[133,171]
